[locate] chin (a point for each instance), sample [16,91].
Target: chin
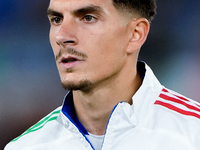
[81,85]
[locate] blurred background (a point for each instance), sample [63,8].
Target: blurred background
[29,82]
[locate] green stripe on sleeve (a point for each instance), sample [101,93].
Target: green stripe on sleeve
[53,116]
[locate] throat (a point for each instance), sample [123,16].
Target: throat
[92,115]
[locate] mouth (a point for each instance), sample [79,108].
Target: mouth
[68,60]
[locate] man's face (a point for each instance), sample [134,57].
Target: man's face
[89,40]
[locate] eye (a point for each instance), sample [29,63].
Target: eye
[89,18]
[56,20]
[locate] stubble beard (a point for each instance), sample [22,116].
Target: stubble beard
[82,85]
[69,85]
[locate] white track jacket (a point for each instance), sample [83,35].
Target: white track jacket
[158,119]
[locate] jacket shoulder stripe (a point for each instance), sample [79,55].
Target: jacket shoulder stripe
[178,103]
[51,117]
[181,111]
[166,91]
[165,97]
[180,97]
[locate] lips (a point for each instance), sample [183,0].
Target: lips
[68,60]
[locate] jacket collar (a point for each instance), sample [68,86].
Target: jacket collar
[132,114]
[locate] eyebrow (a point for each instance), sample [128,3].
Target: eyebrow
[87,10]
[78,12]
[51,12]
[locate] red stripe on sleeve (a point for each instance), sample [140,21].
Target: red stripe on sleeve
[177,109]
[180,97]
[164,90]
[186,100]
[179,102]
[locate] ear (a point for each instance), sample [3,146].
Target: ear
[139,32]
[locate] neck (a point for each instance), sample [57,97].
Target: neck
[93,108]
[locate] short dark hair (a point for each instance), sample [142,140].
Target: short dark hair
[143,8]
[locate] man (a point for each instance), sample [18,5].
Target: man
[114,102]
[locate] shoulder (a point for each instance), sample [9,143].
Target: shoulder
[179,104]
[37,131]
[178,116]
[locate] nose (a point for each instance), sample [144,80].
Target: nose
[66,35]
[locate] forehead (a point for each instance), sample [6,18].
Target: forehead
[75,4]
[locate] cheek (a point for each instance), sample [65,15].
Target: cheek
[51,35]
[106,46]
[52,39]
[106,55]
[112,51]
[112,38]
